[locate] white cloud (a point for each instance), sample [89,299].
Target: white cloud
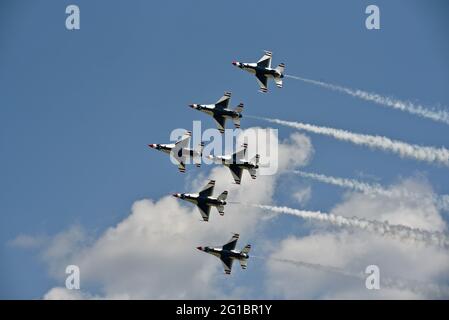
[152,253]
[419,211]
[412,271]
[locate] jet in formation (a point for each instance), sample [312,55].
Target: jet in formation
[220,112]
[180,151]
[228,254]
[204,200]
[237,163]
[263,71]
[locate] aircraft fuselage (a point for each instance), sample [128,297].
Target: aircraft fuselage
[239,163]
[213,111]
[255,69]
[181,152]
[197,199]
[219,252]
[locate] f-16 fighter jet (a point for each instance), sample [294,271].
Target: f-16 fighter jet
[180,152]
[204,200]
[263,71]
[237,163]
[228,254]
[220,112]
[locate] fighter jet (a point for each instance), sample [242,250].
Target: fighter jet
[237,163]
[204,200]
[220,112]
[180,152]
[263,71]
[228,254]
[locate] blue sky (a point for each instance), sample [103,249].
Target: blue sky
[78,108]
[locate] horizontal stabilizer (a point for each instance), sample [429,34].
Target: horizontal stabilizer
[239,108]
[280,68]
[220,210]
[246,249]
[223,195]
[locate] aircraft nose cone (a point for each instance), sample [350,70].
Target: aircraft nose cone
[234,63]
[200,248]
[152,145]
[176,195]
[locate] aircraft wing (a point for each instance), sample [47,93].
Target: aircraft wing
[230,245]
[263,82]
[221,121]
[227,264]
[184,141]
[204,210]
[208,190]
[265,61]
[236,173]
[223,102]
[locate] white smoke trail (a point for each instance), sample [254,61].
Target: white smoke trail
[346,183]
[381,228]
[442,201]
[407,106]
[427,289]
[403,149]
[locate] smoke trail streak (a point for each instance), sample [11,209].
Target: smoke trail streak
[428,289]
[377,227]
[407,106]
[403,149]
[442,201]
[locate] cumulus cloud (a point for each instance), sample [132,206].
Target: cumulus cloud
[151,253]
[409,271]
